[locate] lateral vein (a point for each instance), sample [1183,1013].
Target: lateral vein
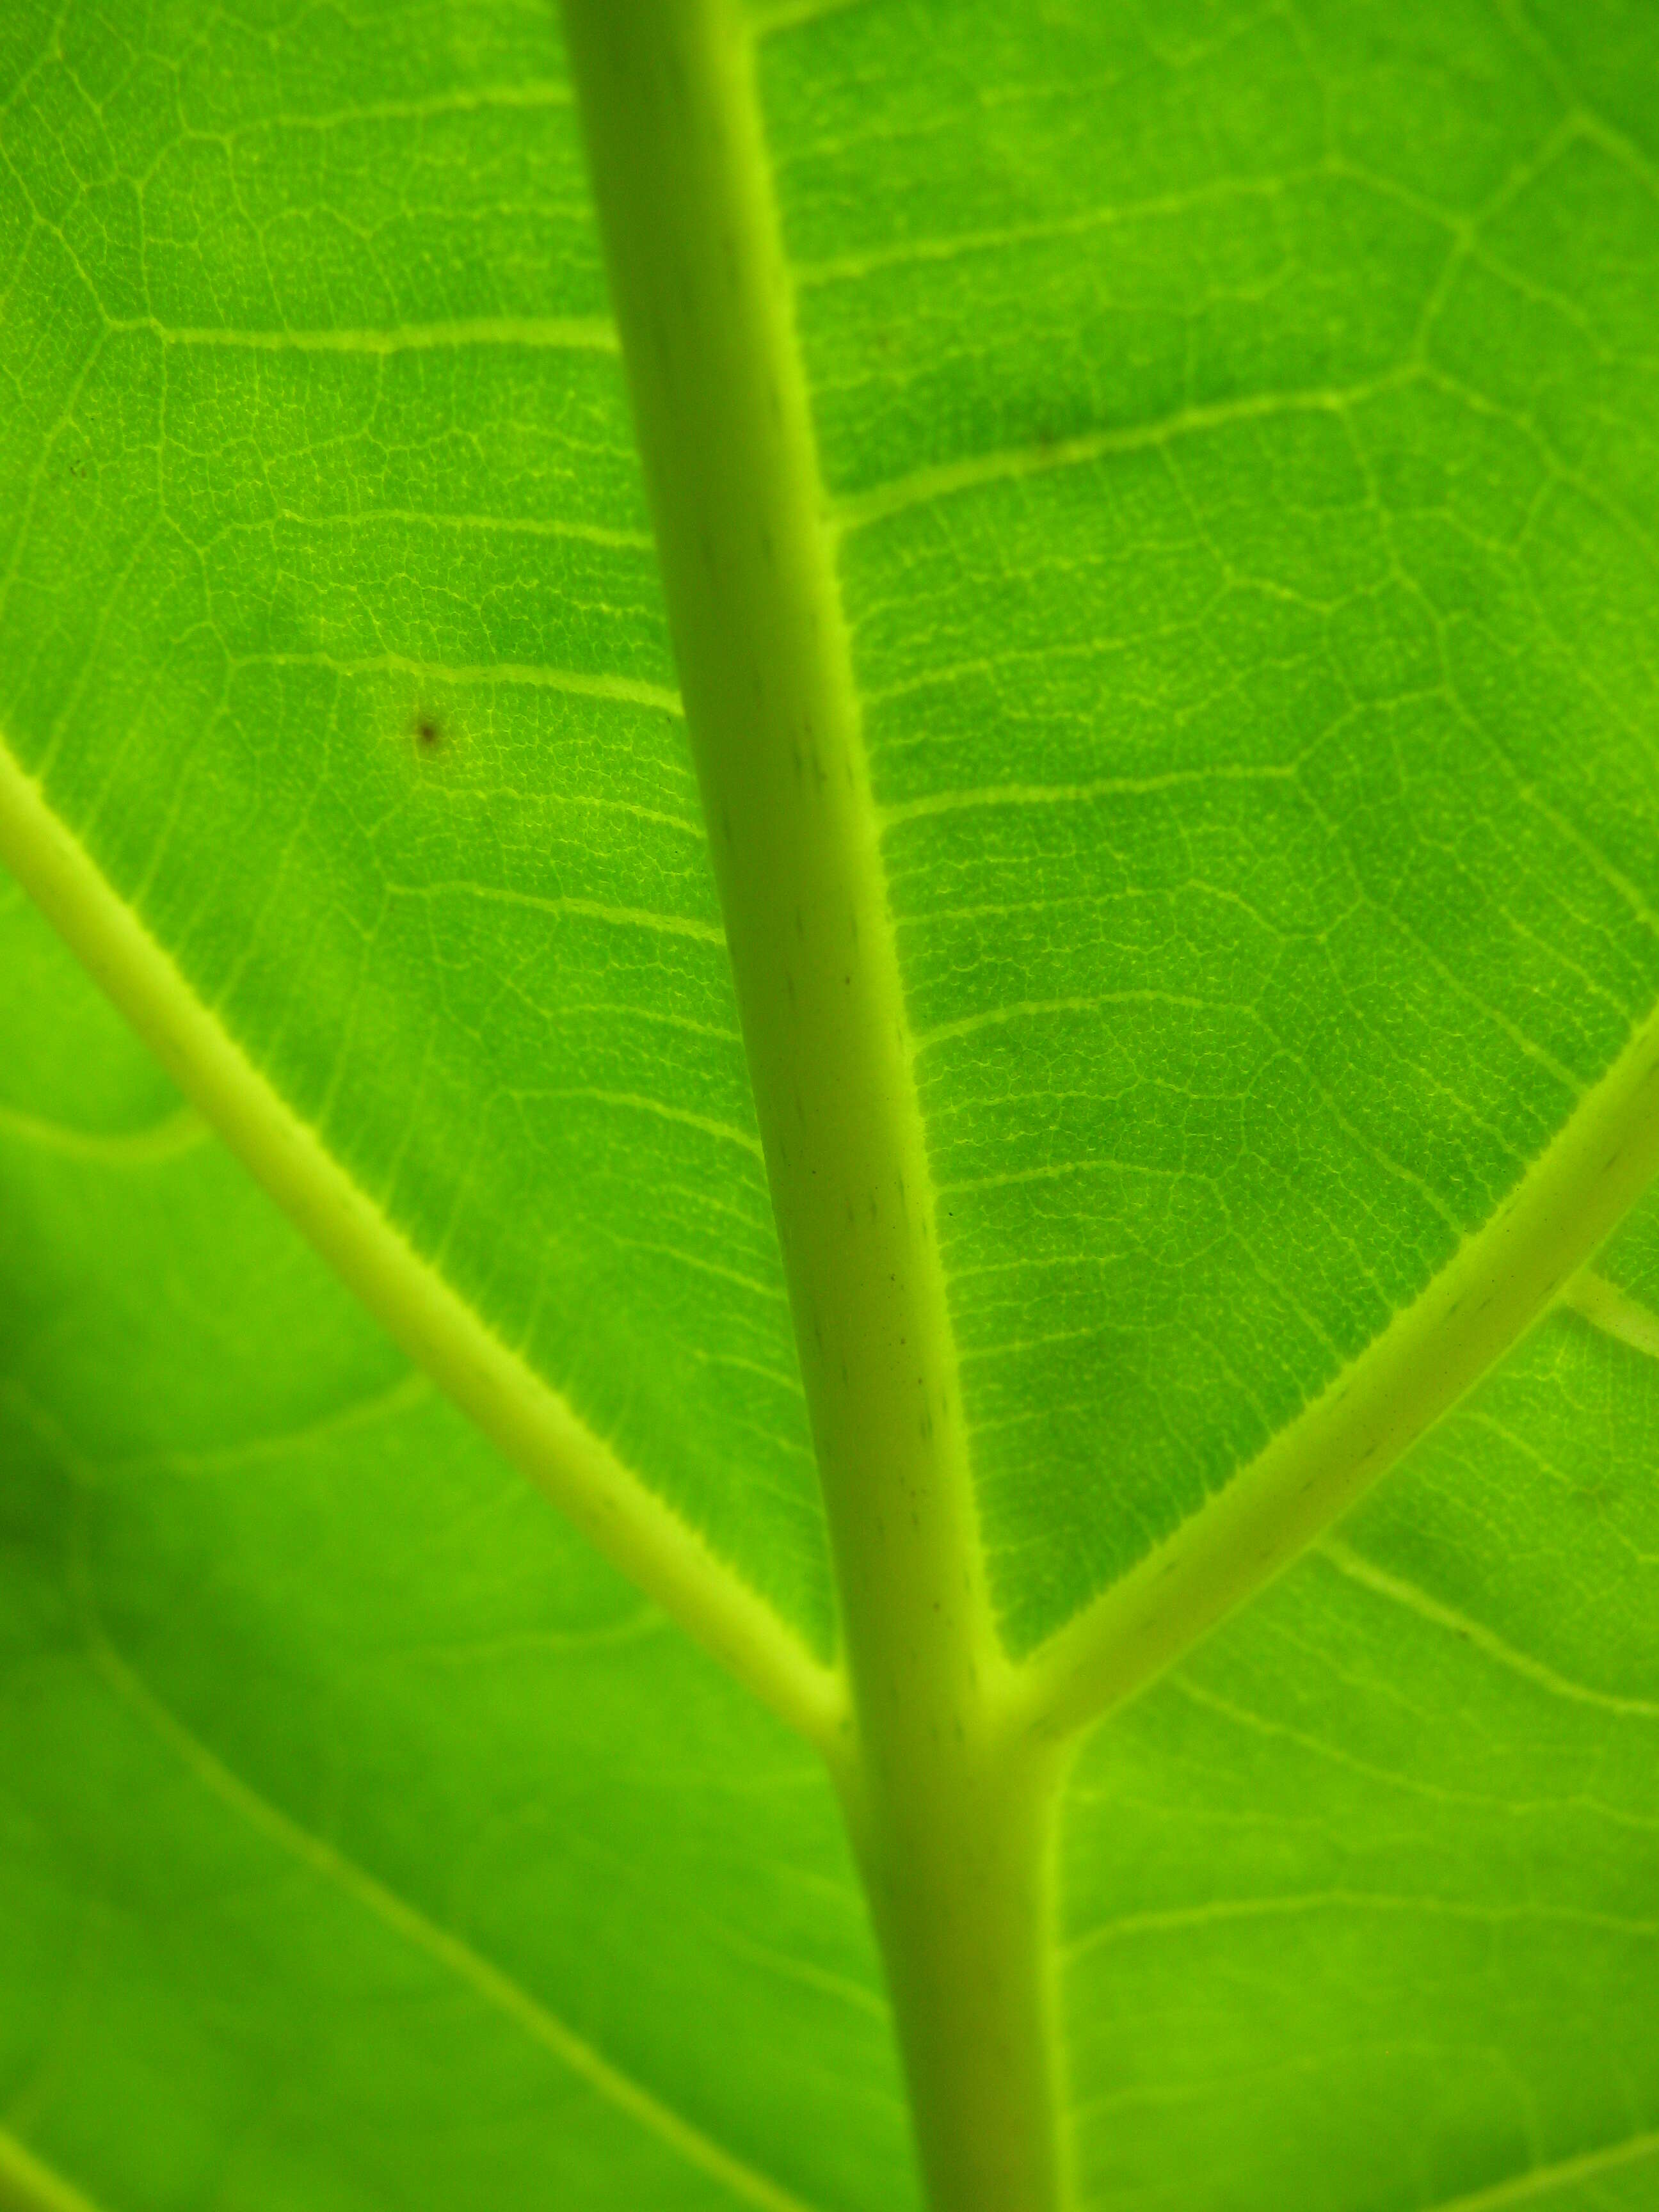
[1178,1919]
[28,2185]
[926,487]
[550,333]
[174,1134]
[440,1944]
[1559,2173]
[533,1424]
[1501,1279]
[1369,1575]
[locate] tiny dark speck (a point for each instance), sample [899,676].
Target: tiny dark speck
[428,733]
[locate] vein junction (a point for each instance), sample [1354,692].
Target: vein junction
[1613,1311]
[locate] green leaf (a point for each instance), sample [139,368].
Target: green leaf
[1152,516]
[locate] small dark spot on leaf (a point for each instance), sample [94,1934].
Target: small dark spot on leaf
[427,729]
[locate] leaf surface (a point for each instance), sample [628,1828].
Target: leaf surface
[1231,441]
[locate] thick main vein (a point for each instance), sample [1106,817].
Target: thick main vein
[1504,1276]
[704,303]
[947,1816]
[529,1421]
[498,1989]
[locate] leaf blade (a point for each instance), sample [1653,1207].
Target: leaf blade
[331,623]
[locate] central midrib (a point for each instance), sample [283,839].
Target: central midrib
[948,1813]
[703,299]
